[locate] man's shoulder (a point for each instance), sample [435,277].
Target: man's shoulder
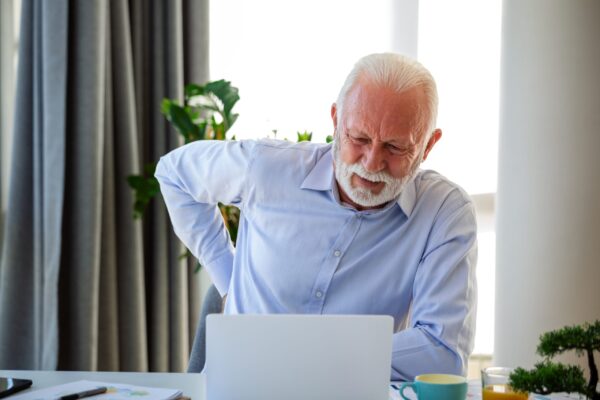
[281,161]
[444,207]
[277,146]
[433,186]
[271,151]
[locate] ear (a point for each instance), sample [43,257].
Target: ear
[334,115]
[435,136]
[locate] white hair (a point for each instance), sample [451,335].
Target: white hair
[399,73]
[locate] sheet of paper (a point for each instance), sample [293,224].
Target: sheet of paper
[116,391]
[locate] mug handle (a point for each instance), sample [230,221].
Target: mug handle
[404,386]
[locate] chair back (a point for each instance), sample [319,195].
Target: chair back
[212,304]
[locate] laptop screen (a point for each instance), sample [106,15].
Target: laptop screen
[317,357]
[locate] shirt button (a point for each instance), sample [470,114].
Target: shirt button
[337,253]
[319,294]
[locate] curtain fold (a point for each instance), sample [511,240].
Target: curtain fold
[196,69]
[83,285]
[129,241]
[30,260]
[82,219]
[7,39]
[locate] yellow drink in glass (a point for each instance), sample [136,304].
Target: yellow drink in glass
[502,392]
[494,383]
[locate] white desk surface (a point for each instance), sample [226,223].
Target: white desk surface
[192,385]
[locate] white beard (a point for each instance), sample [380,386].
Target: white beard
[364,197]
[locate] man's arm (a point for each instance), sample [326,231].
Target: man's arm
[193,179]
[442,321]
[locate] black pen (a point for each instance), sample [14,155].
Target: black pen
[81,395]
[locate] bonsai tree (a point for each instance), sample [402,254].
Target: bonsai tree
[548,377]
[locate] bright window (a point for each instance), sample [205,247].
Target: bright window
[459,42]
[289,60]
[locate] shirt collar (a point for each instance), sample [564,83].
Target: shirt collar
[321,178]
[408,197]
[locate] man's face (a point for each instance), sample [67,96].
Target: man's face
[379,143]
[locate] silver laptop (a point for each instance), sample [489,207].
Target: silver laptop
[298,357]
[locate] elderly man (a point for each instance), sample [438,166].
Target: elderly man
[349,228]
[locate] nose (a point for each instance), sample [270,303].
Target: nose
[373,159]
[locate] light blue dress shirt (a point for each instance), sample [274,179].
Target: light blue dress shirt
[300,250]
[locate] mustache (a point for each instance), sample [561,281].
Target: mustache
[359,170]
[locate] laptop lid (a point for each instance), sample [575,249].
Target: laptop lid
[298,357]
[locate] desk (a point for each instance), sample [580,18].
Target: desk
[192,385]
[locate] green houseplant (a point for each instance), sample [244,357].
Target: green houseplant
[206,114]
[551,377]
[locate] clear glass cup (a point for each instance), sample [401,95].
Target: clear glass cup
[494,385]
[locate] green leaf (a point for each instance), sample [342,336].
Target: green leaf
[225,97]
[329,139]
[227,94]
[211,107]
[578,338]
[145,189]
[548,377]
[135,181]
[182,121]
[165,106]
[304,136]
[193,90]
[194,113]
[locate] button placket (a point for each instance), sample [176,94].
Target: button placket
[325,276]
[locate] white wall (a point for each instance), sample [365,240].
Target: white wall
[548,202]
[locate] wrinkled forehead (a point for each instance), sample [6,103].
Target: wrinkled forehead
[374,108]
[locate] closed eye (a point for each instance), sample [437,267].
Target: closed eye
[397,150]
[359,140]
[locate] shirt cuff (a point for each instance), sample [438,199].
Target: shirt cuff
[220,270]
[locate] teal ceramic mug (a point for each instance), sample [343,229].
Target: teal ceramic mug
[437,387]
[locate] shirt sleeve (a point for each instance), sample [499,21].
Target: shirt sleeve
[442,318]
[193,179]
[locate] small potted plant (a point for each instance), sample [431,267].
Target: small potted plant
[552,377]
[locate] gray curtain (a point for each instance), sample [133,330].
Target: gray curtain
[6,101]
[84,286]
